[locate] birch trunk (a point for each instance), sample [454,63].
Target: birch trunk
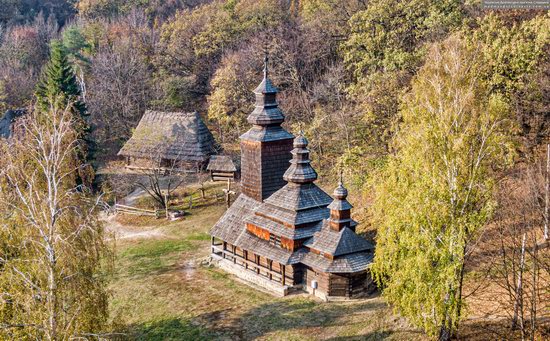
[518,305]
[547,192]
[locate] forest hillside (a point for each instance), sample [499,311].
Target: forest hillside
[436,115]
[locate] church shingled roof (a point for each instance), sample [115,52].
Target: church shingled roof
[337,243]
[266,110]
[279,229]
[299,197]
[300,170]
[300,201]
[230,226]
[351,263]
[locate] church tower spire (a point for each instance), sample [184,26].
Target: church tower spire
[265,148]
[340,209]
[266,111]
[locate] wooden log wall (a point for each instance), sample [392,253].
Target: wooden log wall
[321,278]
[339,285]
[222,176]
[259,264]
[251,180]
[274,163]
[258,231]
[361,284]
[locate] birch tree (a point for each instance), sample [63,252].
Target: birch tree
[53,255]
[435,192]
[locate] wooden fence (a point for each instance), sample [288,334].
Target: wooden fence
[137,211]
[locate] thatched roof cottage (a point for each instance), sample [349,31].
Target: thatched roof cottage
[166,139]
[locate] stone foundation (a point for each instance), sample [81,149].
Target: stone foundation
[250,277]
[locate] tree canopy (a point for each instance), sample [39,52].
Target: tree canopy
[435,192]
[58,85]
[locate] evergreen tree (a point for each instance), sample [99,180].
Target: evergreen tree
[435,193]
[58,90]
[58,85]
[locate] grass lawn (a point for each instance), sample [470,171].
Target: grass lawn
[164,290]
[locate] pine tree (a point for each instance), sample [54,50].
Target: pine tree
[57,90]
[58,85]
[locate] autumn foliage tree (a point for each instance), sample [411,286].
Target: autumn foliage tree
[435,192]
[54,256]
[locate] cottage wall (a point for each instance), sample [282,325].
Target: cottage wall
[152,163]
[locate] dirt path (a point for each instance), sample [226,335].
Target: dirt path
[131,198]
[130,232]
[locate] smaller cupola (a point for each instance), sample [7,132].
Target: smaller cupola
[300,170]
[340,209]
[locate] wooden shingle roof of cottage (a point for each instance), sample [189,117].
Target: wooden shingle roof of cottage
[221,163]
[171,135]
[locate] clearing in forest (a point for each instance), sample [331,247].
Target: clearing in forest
[164,289]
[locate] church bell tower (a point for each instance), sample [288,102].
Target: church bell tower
[265,148]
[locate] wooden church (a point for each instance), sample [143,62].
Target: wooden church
[283,232]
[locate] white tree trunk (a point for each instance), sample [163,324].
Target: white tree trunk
[547,191]
[518,305]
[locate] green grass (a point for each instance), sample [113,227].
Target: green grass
[155,248]
[152,255]
[199,236]
[163,291]
[174,329]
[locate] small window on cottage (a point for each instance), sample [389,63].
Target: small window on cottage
[274,240]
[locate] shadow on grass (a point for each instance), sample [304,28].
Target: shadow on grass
[372,336]
[280,316]
[171,329]
[284,316]
[293,315]
[498,329]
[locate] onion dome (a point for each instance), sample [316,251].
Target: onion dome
[300,170]
[340,209]
[340,192]
[266,111]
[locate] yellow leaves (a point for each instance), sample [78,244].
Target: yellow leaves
[509,53]
[435,193]
[54,269]
[231,100]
